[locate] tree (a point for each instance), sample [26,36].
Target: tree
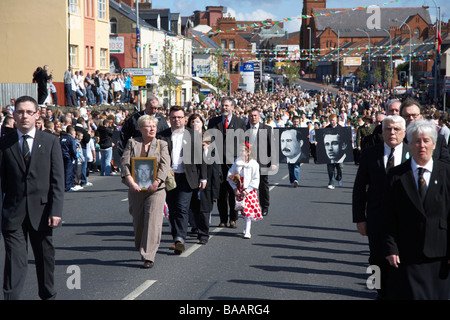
[361,74]
[377,75]
[291,70]
[388,74]
[168,80]
[219,78]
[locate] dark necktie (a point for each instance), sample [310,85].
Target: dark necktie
[422,184]
[26,149]
[226,123]
[391,160]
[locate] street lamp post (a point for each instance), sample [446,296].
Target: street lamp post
[338,59]
[410,40]
[368,36]
[309,65]
[390,44]
[438,27]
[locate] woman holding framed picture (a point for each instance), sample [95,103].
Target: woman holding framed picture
[145,164]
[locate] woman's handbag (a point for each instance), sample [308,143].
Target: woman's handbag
[239,205]
[170,180]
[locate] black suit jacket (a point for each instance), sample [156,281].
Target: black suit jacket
[235,124]
[414,230]
[369,187]
[37,191]
[263,150]
[196,168]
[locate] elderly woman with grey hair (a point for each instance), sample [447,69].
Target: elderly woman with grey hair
[416,214]
[146,206]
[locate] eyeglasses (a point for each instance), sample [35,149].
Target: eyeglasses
[27,112]
[414,116]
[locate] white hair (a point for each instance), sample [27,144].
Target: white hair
[394,118]
[419,127]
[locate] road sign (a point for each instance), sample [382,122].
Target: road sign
[139,81]
[139,71]
[447,84]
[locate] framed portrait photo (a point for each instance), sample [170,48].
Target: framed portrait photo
[143,171]
[334,145]
[294,145]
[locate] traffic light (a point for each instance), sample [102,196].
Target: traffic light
[270,85]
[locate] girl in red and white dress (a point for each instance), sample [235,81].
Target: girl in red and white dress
[243,177]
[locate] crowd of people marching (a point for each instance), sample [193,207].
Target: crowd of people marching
[102,106]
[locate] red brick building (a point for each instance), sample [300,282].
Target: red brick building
[332,28]
[239,45]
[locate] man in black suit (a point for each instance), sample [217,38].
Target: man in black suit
[130,128]
[416,219]
[226,124]
[260,138]
[42,79]
[392,108]
[185,148]
[411,110]
[32,178]
[369,185]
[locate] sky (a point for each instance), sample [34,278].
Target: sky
[278,10]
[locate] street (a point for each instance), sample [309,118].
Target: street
[307,248]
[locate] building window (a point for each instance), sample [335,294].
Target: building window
[86,56]
[113,26]
[224,44]
[103,57]
[91,55]
[88,8]
[231,44]
[102,9]
[417,33]
[73,56]
[73,6]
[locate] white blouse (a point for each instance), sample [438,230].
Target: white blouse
[250,172]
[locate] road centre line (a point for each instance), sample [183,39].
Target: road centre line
[139,290]
[194,247]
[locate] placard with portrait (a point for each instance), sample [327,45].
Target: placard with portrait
[294,145]
[143,171]
[334,145]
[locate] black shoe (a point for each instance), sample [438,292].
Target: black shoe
[202,241]
[265,212]
[148,264]
[179,248]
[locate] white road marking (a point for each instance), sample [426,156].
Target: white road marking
[126,199]
[139,290]
[285,177]
[194,247]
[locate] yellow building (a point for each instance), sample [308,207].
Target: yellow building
[57,33]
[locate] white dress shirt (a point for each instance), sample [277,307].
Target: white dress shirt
[426,173]
[253,133]
[177,148]
[398,150]
[30,140]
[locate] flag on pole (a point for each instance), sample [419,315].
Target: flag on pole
[138,40]
[438,40]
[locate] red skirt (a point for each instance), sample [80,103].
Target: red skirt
[252,208]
